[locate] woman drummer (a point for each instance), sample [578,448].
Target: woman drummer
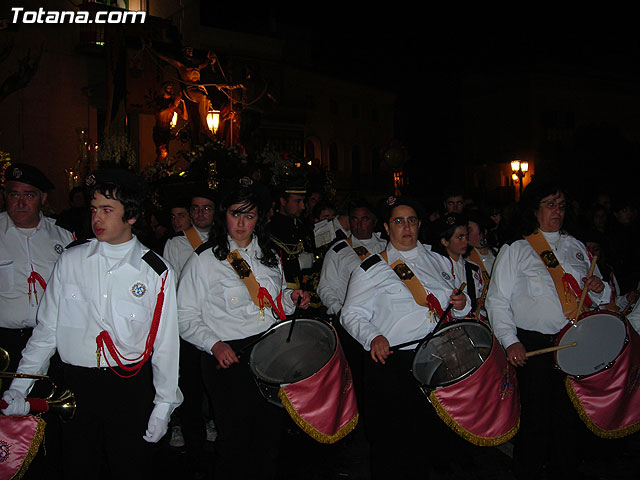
[381,311]
[219,316]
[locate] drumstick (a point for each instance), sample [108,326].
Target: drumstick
[293,320]
[549,349]
[583,295]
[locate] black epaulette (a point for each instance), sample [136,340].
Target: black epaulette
[370,262]
[75,243]
[155,262]
[177,234]
[340,235]
[206,245]
[339,246]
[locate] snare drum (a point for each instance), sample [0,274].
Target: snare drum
[603,372]
[464,372]
[276,362]
[309,376]
[599,335]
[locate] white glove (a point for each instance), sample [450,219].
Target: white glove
[156,428]
[17,403]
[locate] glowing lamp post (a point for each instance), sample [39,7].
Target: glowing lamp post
[213,120]
[519,170]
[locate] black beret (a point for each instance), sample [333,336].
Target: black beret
[204,192]
[23,173]
[120,177]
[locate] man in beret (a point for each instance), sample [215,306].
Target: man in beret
[30,245]
[110,312]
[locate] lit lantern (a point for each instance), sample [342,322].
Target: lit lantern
[174,120]
[213,120]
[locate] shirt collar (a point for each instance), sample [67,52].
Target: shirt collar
[133,256]
[9,225]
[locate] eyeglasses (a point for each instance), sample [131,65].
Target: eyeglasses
[413,221]
[552,204]
[198,209]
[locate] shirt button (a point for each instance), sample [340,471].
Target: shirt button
[73,295]
[109,272]
[105,295]
[234,300]
[133,315]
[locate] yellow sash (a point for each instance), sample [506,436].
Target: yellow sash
[193,237]
[567,298]
[361,251]
[243,270]
[405,274]
[474,256]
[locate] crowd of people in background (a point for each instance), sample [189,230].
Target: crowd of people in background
[308,230]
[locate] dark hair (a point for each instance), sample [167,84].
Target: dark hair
[530,202]
[445,227]
[320,206]
[394,202]
[248,197]
[356,203]
[130,198]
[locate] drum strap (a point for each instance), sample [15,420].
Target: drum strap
[361,251]
[474,256]
[568,298]
[418,292]
[193,237]
[260,296]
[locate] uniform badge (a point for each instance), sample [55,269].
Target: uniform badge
[579,256]
[138,289]
[17,173]
[59,248]
[446,276]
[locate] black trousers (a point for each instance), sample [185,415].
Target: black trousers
[190,412]
[105,435]
[551,434]
[401,425]
[248,426]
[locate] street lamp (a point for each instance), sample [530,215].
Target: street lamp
[213,120]
[519,170]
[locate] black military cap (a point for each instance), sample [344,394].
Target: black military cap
[21,172]
[119,177]
[204,192]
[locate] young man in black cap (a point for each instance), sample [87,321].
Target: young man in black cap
[110,312]
[30,245]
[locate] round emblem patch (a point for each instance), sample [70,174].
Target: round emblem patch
[446,276]
[579,256]
[138,289]
[59,248]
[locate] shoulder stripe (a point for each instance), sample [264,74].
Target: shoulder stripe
[206,245]
[339,246]
[75,243]
[370,262]
[154,262]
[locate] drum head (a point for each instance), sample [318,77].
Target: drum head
[312,345]
[453,353]
[599,340]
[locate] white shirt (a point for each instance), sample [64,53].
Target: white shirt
[379,303]
[94,287]
[634,317]
[487,260]
[20,252]
[178,250]
[522,293]
[339,261]
[214,304]
[455,272]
